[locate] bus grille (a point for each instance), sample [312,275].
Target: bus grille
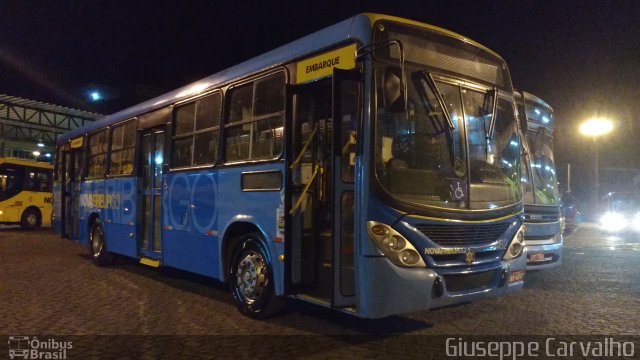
[458,235]
[465,282]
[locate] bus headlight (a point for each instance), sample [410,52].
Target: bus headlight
[394,246]
[516,247]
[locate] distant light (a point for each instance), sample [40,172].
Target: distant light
[545,119]
[40,144]
[159,160]
[513,143]
[596,127]
[47,155]
[537,111]
[36,153]
[95,96]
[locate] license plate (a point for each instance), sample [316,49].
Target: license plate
[535,257]
[516,276]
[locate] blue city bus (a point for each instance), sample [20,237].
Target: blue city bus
[372,167]
[543,235]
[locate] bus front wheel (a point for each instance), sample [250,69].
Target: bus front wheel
[31,219]
[251,279]
[101,256]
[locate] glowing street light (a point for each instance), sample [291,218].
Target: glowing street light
[596,127]
[95,96]
[593,128]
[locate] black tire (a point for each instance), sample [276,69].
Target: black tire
[251,279]
[99,253]
[31,219]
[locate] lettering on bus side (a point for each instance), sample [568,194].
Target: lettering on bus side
[323,64]
[100,201]
[48,199]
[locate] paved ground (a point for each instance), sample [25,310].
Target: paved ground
[49,288]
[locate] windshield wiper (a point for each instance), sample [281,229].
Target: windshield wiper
[432,84]
[494,107]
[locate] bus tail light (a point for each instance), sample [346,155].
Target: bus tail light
[516,247]
[394,246]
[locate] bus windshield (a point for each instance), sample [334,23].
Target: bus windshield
[455,143]
[543,171]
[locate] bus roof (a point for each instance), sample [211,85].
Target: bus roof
[22,162]
[356,28]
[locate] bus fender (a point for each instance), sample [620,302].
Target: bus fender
[240,225]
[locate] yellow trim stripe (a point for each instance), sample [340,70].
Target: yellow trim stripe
[150,262]
[41,165]
[464,221]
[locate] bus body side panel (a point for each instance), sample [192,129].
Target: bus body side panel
[120,216]
[190,231]
[91,202]
[57,207]
[14,207]
[257,207]
[45,199]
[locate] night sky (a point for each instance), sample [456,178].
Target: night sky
[582,57]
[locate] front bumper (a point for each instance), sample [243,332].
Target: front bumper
[394,290]
[541,257]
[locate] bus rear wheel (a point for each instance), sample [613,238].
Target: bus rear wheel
[31,219]
[101,256]
[251,279]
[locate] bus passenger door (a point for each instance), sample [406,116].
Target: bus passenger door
[152,157]
[308,199]
[319,191]
[72,165]
[346,97]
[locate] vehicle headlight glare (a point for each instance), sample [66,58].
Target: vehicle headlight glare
[636,222]
[612,221]
[394,246]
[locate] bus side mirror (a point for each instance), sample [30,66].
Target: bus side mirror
[395,87]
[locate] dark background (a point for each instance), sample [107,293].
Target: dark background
[582,57]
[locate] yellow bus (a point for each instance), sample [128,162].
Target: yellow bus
[25,193]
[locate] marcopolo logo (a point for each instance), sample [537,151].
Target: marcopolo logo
[25,347]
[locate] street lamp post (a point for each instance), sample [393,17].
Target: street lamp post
[593,128]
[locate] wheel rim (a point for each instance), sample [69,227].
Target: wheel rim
[251,276]
[32,220]
[96,242]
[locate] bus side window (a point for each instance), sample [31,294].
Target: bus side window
[255,119]
[44,182]
[30,183]
[195,132]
